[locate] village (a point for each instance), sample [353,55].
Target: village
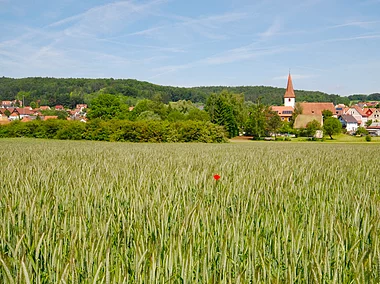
[14,110]
[360,114]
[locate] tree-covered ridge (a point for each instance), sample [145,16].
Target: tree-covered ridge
[70,91]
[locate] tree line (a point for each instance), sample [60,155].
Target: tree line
[117,130]
[72,91]
[224,114]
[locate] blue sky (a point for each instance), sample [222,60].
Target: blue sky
[329,45]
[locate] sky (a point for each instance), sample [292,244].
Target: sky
[328,45]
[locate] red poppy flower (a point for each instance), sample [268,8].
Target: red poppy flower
[216,177]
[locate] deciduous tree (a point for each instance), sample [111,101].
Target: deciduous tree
[332,126]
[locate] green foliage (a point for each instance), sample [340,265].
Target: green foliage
[182,106]
[365,98]
[225,109]
[117,130]
[312,127]
[368,123]
[361,131]
[7,112]
[176,115]
[62,114]
[156,107]
[198,115]
[107,106]
[286,128]
[262,120]
[256,123]
[326,114]
[332,126]
[273,122]
[148,115]
[368,138]
[69,92]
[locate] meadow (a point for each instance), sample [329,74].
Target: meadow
[98,212]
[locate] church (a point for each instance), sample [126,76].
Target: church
[310,111]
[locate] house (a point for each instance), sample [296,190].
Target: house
[59,107]
[368,111]
[374,130]
[14,116]
[375,115]
[44,108]
[81,106]
[349,122]
[372,104]
[5,104]
[303,119]
[285,112]
[358,113]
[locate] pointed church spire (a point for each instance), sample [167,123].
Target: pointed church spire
[289,89]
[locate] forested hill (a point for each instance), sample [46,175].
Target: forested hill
[68,92]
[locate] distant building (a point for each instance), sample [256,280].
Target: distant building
[286,111]
[349,122]
[303,119]
[290,97]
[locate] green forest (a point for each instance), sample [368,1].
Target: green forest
[69,92]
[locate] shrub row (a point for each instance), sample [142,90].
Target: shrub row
[117,130]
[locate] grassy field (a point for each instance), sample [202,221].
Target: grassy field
[94,212]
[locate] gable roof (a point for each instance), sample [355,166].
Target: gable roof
[289,93]
[360,110]
[317,108]
[348,118]
[303,119]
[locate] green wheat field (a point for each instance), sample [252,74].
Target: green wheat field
[93,212]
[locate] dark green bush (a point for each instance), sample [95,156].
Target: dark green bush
[118,130]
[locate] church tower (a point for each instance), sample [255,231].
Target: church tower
[290,97]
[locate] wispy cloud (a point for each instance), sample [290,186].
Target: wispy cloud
[361,24]
[245,53]
[273,29]
[210,27]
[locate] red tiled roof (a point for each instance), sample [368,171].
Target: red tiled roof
[317,108]
[360,110]
[50,117]
[284,111]
[289,93]
[24,110]
[26,119]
